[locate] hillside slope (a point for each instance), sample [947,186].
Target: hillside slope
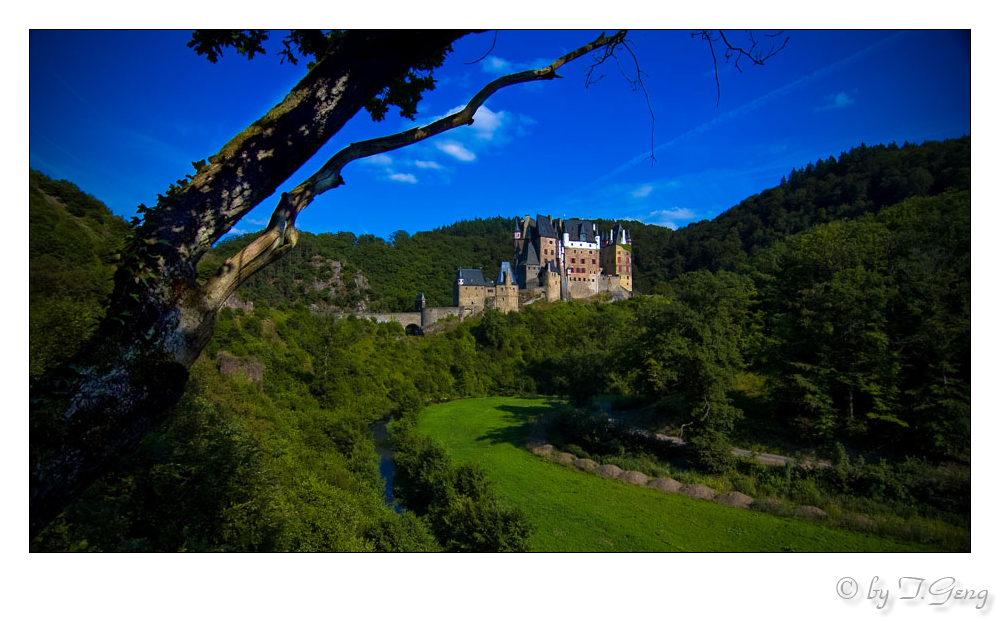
[73,240]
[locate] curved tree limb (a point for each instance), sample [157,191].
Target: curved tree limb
[280,234]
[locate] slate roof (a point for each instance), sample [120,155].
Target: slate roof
[529,256]
[618,235]
[504,269]
[545,227]
[577,227]
[473,277]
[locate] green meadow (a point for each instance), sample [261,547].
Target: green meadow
[577,511]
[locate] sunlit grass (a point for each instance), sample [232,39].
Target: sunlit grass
[576,511]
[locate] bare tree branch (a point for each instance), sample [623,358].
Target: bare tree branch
[609,52]
[280,234]
[756,53]
[492,45]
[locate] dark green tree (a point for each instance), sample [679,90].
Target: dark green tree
[88,414]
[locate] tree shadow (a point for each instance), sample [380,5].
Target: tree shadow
[520,420]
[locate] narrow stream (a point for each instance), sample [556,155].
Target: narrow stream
[386,466]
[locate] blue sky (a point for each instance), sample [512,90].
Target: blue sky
[124,113]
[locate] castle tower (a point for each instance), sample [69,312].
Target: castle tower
[616,258]
[550,281]
[506,289]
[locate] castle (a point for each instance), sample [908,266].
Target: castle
[565,259]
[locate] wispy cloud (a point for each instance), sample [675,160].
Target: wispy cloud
[840,100]
[495,64]
[498,66]
[379,159]
[408,178]
[428,164]
[740,112]
[642,191]
[670,218]
[456,150]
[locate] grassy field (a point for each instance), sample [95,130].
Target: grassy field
[577,511]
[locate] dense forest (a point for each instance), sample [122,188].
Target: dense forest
[828,316]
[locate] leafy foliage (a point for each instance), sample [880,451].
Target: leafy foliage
[353,273]
[837,324]
[861,181]
[73,241]
[404,93]
[463,506]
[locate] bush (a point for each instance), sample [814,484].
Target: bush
[460,503]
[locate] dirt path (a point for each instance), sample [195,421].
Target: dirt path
[765,459]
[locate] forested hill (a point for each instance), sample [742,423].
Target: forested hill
[73,240]
[861,181]
[364,272]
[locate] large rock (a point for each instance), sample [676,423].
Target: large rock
[608,471]
[585,464]
[541,449]
[634,477]
[666,484]
[563,458]
[734,499]
[698,491]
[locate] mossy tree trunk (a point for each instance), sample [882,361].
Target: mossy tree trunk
[87,414]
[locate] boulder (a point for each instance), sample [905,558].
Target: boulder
[634,477]
[666,484]
[585,464]
[608,471]
[698,491]
[734,499]
[563,458]
[541,449]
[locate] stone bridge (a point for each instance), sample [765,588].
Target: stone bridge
[423,318]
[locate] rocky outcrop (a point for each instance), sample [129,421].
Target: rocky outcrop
[248,368]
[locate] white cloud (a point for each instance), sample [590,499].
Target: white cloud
[456,150]
[488,124]
[427,164]
[669,217]
[495,64]
[641,191]
[408,178]
[379,159]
